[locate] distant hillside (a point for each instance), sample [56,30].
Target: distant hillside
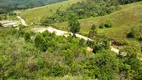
[24,4]
[44,11]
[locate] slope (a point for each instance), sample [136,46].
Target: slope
[25,3]
[121,21]
[36,14]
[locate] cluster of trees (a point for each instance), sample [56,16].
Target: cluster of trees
[86,9]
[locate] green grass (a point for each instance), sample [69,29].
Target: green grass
[121,20]
[33,16]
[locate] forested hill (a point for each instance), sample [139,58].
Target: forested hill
[23,4]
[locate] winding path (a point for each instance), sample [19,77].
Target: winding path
[65,33]
[60,33]
[23,22]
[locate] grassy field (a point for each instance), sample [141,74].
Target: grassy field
[33,16]
[122,20]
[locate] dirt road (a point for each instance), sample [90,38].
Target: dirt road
[23,22]
[65,33]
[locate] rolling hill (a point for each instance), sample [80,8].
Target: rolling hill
[121,21]
[10,5]
[34,15]
[26,3]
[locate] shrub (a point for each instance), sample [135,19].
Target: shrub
[0,25]
[102,26]
[136,32]
[56,70]
[108,24]
[101,43]
[40,43]
[27,36]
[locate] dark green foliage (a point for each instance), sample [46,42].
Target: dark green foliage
[73,24]
[102,25]
[136,32]
[40,43]
[56,70]
[107,24]
[130,68]
[101,43]
[27,36]
[0,25]
[132,50]
[82,42]
[93,31]
[127,1]
[90,43]
[102,66]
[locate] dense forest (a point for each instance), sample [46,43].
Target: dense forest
[9,5]
[27,55]
[86,9]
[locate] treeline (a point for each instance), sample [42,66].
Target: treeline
[9,5]
[86,9]
[27,55]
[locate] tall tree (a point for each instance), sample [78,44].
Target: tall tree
[93,31]
[73,24]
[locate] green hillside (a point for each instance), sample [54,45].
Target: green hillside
[36,14]
[25,3]
[10,5]
[121,21]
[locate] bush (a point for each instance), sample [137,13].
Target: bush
[102,26]
[56,70]
[27,36]
[108,24]
[136,32]
[101,43]
[40,43]
[0,25]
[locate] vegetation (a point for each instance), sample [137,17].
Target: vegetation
[121,25]
[42,12]
[136,32]
[6,6]
[48,56]
[25,55]
[81,10]
[93,32]
[86,9]
[73,25]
